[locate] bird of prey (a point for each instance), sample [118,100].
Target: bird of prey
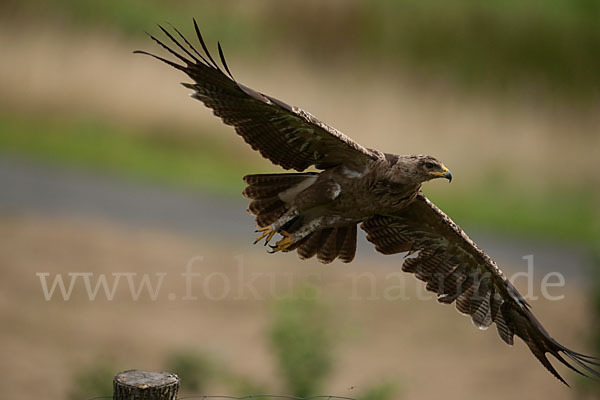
[317,213]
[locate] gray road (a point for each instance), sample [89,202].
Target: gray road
[39,188]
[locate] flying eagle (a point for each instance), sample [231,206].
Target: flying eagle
[318,213]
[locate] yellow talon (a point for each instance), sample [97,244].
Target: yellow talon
[267,232]
[283,243]
[269,237]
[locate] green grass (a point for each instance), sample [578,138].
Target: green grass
[160,156]
[562,215]
[202,162]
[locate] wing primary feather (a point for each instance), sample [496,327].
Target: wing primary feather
[586,367]
[164,46]
[214,64]
[204,60]
[571,367]
[168,34]
[581,363]
[579,355]
[223,60]
[169,62]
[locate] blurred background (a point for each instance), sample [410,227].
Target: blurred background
[107,167]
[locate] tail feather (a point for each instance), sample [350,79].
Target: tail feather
[264,190]
[310,246]
[348,246]
[328,251]
[340,237]
[267,211]
[328,244]
[277,179]
[267,205]
[297,244]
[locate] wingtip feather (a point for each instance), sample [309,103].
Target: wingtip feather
[204,47]
[222,56]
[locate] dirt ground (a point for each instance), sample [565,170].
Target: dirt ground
[386,330]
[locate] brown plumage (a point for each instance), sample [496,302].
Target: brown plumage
[264,191]
[317,213]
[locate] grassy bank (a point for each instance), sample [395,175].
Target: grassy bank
[161,156]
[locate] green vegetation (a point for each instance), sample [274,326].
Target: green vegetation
[160,156]
[195,370]
[302,342]
[93,380]
[548,44]
[555,214]
[382,391]
[198,371]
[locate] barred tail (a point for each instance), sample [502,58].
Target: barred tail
[328,244]
[265,189]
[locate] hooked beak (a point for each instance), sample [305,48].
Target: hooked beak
[445,173]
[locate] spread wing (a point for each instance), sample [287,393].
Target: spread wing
[459,271]
[286,135]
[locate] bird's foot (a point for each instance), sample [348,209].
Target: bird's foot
[283,244]
[267,232]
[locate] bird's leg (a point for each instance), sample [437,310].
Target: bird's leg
[285,218]
[283,243]
[302,232]
[269,231]
[312,226]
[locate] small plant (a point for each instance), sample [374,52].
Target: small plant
[302,342]
[93,380]
[195,370]
[240,385]
[382,391]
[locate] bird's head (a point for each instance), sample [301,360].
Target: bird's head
[419,169]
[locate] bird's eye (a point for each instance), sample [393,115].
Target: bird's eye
[429,165]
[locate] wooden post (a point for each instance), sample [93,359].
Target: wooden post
[145,385]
